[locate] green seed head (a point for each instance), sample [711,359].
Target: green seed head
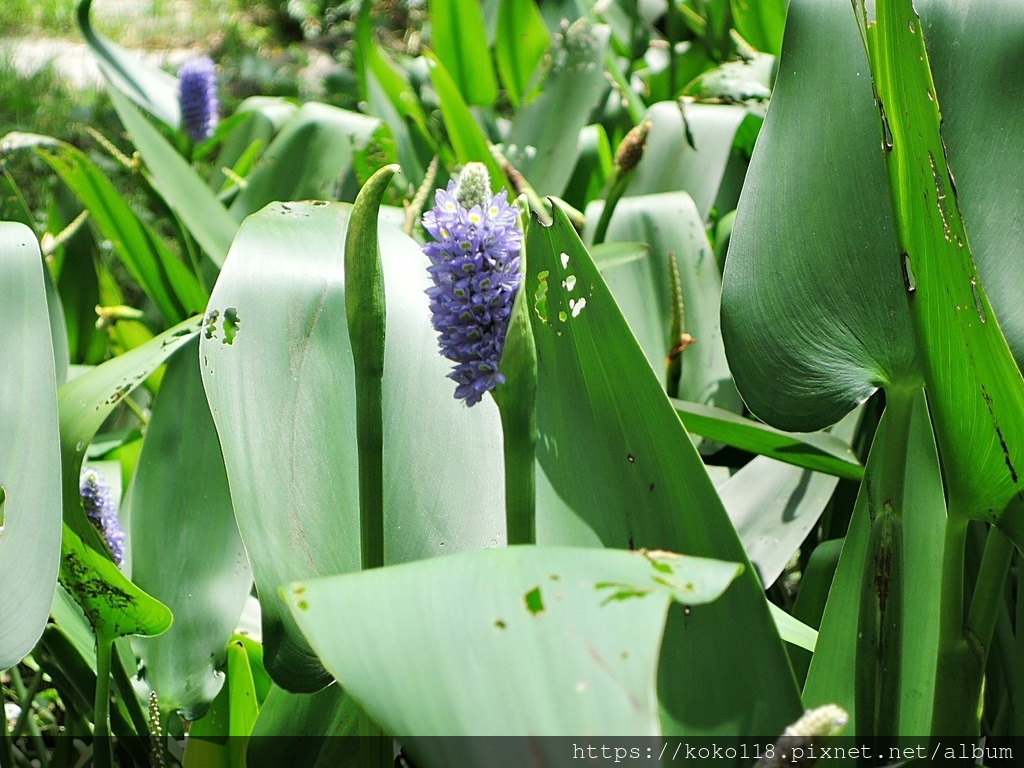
[473,186]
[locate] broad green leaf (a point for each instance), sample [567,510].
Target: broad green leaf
[182,189]
[688,148]
[306,158]
[620,471]
[459,38]
[761,23]
[774,506]
[316,724]
[672,226]
[151,88]
[159,272]
[832,671]
[510,635]
[281,392]
[30,503]
[87,400]
[186,550]
[464,133]
[974,385]
[967,49]
[521,42]
[813,308]
[820,451]
[114,606]
[545,150]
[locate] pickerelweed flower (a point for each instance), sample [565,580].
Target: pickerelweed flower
[197,95]
[100,509]
[474,263]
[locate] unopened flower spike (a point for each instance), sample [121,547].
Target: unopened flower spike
[474,264]
[99,508]
[197,95]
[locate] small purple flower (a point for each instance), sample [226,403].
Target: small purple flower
[474,264]
[197,95]
[100,510]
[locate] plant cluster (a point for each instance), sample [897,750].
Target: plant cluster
[436,416]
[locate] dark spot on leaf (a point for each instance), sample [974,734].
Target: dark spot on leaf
[553,576]
[303,605]
[651,487]
[534,601]
[500,624]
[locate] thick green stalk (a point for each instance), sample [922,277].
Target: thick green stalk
[620,180]
[880,623]
[365,310]
[516,400]
[102,752]
[955,711]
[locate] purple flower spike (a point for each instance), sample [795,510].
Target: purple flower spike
[197,95]
[474,264]
[100,510]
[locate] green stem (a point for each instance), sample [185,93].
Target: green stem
[519,441]
[102,751]
[6,744]
[370,442]
[516,400]
[989,590]
[26,698]
[880,623]
[955,712]
[366,313]
[619,183]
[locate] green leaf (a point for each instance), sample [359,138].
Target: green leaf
[761,23]
[150,87]
[813,307]
[819,451]
[464,132]
[671,225]
[114,606]
[975,389]
[793,630]
[87,400]
[307,718]
[688,148]
[284,387]
[162,275]
[832,672]
[620,471]
[579,625]
[306,158]
[30,460]
[545,150]
[459,38]
[185,546]
[182,189]
[521,42]
[593,167]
